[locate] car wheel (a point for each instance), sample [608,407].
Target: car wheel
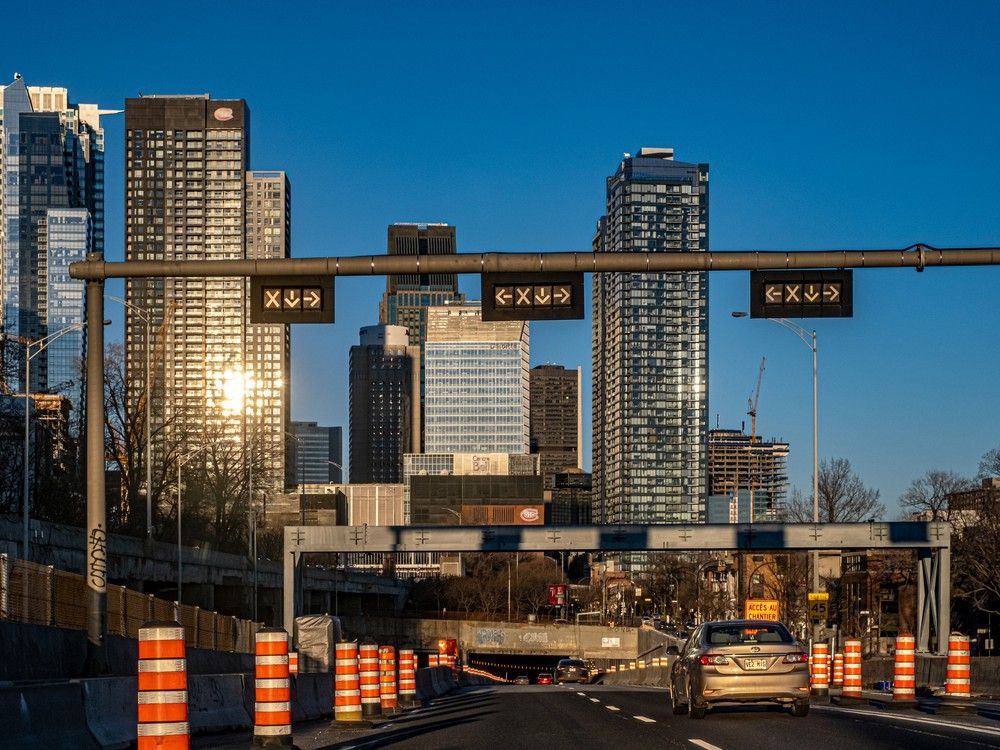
[800,708]
[695,710]
[676,706]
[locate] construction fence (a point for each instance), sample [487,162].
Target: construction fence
[41,595]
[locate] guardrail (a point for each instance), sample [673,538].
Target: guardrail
[42,595]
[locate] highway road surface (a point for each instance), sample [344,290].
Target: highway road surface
[566,717]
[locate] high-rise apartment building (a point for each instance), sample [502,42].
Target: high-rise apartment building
[554,419]
[476,383]
[408,296]
[52,209]
[316,455]
[739,466]
[384,404]
[650,347]
[215,377]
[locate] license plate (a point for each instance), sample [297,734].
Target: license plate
[758,664]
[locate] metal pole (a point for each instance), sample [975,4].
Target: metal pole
[97,550]
[149,435]
[508,589]
[179,548]
[818,627]
[27,439]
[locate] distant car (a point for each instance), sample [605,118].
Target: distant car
[522,679]
[572,670]
[545,678]
[739,662]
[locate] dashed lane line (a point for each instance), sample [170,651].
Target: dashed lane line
[594,700]
[645,719]
[583,694]
[704,744]
[613,708]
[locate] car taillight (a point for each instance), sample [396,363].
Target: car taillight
[795,658]
[707,659]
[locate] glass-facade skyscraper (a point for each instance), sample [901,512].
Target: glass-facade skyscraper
[51,214]
[650,347]
[476,383]
[408,296]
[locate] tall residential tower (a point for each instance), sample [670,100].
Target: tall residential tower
[650,347]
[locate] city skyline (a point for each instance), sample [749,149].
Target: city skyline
[832,152]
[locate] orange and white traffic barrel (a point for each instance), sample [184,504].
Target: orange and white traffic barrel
[819,680]
[852,670]
[387,681]
[293,662]
[838,670]
[904,680]
[407,678]
[272,717]
[369,675]
[347,686]
[432,660]
[958,682]
[163,698]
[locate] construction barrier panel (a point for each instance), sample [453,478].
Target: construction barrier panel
[433,660]
[838,670]
[347,685]
[852,670]
[387,679]
[904,686]
[272,717]
[958,683]
[371,702]
[162,687]
[407,678]
[819,680]
[293,662]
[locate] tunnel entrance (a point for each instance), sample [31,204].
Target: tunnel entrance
[509,666]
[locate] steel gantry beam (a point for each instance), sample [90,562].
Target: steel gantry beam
[932,539]
[95,270]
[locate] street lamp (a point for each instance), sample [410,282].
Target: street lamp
[38,346]
[146,316]
[809,339]
[181,460]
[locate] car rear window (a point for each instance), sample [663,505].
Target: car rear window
[721,635]
[571,663]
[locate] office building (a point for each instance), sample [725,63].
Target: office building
[52,209]
[476,383]
[554,419]
[741,465]
[650,347]
[571,498]
[316,455]
[215,377]
[408,296]
[384,404]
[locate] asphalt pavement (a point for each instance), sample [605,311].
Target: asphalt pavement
[555,717]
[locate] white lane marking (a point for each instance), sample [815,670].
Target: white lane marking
[706,745]
[594,700]
[583,694]
[647,720]
[613,708]
[989,731]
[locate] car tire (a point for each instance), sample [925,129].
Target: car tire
[676,707]
[695,710]
[800,708]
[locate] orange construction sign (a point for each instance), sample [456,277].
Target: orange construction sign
[761,609]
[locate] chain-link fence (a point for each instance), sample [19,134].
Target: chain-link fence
[42,595]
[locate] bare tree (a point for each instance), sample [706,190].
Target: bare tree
[534,577]
[976,564]
[843,497]
[928,495]
[989,465]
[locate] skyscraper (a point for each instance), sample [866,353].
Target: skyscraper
[384,404]
[476,383]
[317,455]
[650,347]
[739,465]
[52,209]
[555,418]
[408,296]
[216,378]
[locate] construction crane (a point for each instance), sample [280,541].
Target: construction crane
[752,404]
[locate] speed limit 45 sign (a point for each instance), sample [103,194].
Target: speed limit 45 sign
[819,606]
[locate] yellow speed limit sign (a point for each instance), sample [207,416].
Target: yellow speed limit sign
[819,606]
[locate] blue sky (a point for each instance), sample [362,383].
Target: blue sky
[858,125]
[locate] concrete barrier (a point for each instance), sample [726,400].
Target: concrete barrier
[312,696]
[45,716]
[109,703]
[217,702]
